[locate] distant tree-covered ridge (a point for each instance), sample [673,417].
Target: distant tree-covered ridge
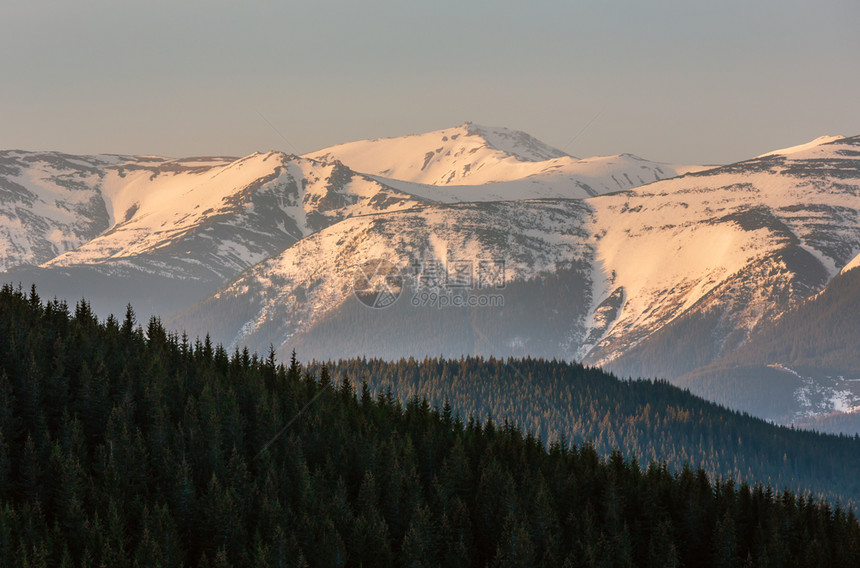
[651,420]
[122,446]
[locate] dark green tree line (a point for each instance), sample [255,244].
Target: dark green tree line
[121,446]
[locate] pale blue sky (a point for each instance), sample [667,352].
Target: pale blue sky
[680,81]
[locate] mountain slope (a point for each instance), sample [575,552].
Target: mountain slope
[234,216]
[733,246]
[189,225]
[563,178]
[293,291]
[814,350]
[49,203]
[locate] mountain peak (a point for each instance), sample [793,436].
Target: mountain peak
[508,164]
[516,143]
[468,154]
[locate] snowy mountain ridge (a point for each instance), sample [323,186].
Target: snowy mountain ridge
[608,260]
[748,240]
[507,163]
[135,206]
[851,265]
[720,222]
[301,196]
[802,147]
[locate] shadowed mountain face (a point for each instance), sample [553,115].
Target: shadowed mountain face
[495,245]
[812,351]
[519,262]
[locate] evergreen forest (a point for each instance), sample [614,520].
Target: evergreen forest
[124,445]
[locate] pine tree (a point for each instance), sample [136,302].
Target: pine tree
[419,548]
[662,552]
[369,541]
[725,550]
[515,546]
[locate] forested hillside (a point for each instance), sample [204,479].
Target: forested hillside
[124,447]
[649,420]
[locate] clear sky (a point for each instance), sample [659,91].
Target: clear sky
[682,81]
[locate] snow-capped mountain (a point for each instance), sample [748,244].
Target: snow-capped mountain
[494,244]
[231,216]
[188,225]
[480,163]
[738,244]
[464,155]
[502,242]
[119,228]
[49,203]
[657,281]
